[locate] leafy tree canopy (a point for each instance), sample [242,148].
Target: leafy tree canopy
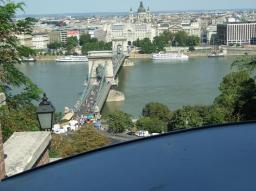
[166,39]
[92,44]
[238,96]
[19,114]
[72,43]
[157,110]
[80,141]
[119,122]
[152,125]
[186,117]
[55,45]
[246,62]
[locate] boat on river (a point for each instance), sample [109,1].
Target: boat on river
[169,56]
[72,59]
[215,54]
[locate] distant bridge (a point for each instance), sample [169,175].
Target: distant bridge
[102,74]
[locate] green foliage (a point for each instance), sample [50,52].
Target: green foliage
[186,117]
[72,43]
[215,115]
[80,141]
[55,45]
[86,38]
[19,114]
[10,50]
[152,125]
[18,120]
[92,44]
[166,39]
[119,122]
[157,110]
[181,38]
[238,96]
[245,62]
[192,41]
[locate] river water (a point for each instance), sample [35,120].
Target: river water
[175,84]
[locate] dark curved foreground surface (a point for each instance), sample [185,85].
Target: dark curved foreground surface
[207,159]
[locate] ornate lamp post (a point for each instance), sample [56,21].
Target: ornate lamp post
[45,114]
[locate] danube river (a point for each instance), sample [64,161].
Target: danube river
[175,84]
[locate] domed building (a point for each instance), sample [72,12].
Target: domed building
[143,15]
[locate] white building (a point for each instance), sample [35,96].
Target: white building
[191,28]
[99,34]
[25,40]
[237,33]
[211,32]
[131,31]
[40,41]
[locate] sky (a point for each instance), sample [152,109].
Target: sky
[91,6]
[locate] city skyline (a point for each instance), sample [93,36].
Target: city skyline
[79,6]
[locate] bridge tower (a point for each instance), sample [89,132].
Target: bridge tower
[119,44]
[100,61]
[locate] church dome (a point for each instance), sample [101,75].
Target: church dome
[141,8]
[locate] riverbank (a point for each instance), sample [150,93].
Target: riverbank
[197,53]
[46,58]
[200,54]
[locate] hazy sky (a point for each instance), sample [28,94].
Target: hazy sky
[83,6]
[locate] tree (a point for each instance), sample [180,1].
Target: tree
[72,43]
[181,38]
[17,120]
[159,43]
[92,44]
[119,122]
[238,96]
[152,125]
[86,38]
[246,62]
[192,41]
[186,117]
[19,114]
[157,110]
[80,141]
[54,45]
[146,46]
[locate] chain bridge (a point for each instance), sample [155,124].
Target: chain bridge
[102,74]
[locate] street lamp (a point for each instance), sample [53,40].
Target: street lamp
[45,114]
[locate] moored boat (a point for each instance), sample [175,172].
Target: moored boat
[169,56]
[215,54]
[72,59]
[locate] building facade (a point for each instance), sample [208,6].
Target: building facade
[40,41]
[25,40]
[54,36]
[131,32]
[237,33]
